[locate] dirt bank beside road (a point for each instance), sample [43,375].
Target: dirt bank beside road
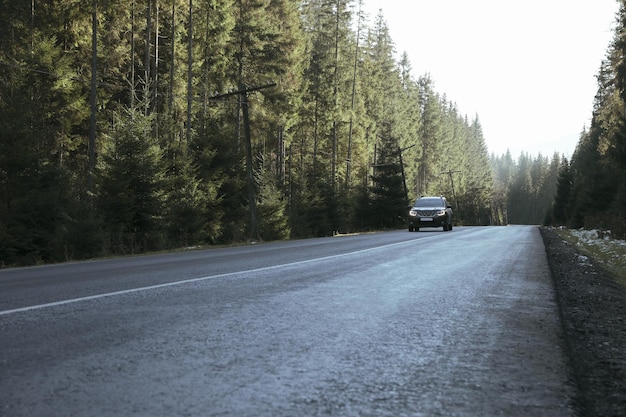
[593,314]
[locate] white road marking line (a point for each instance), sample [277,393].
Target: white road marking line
[192,280]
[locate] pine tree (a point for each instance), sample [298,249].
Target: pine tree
[324,119]
[132,189]
[187,217]
[503,169]
[520,191]
[388,195]
[274,223]
[42,111]
[410,115]
[548,190]
[430,133]
[340,103]
[560,206]
[597,167]
[477,180]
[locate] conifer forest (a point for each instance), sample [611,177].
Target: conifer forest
[129,126]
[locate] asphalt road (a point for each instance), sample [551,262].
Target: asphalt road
[461,323]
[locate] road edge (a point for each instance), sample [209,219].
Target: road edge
[592,309]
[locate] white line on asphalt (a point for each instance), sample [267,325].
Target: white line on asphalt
[192,280]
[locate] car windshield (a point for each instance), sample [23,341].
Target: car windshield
[428,202]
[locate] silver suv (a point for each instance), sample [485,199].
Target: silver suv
[430,212]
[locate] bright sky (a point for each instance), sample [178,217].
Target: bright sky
[527,68]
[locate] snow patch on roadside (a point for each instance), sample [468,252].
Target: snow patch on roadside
[583,260]
[601,240]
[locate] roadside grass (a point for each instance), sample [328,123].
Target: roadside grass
[598,245]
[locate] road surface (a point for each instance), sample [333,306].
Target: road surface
[461,323]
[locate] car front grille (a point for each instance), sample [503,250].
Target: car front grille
[426,213]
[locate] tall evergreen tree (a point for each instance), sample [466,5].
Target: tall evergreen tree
[476,186]
[131,194]
[503,170]
[409,113]
[430,133]
[341,103]
[42,111]
[560,207]
[325,118]
[597,169]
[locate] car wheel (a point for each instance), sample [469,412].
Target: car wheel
[411,229]
[450,226]
[445,227]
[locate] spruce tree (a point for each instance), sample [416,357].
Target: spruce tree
[560,206]
[132,190]
[477,177]
[430,132]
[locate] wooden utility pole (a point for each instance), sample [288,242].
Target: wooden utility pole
[243,92]
[450,172]
[406,191]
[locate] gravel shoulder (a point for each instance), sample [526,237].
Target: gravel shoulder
[592,307]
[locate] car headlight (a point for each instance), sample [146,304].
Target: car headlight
[413,213]
[441,213]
